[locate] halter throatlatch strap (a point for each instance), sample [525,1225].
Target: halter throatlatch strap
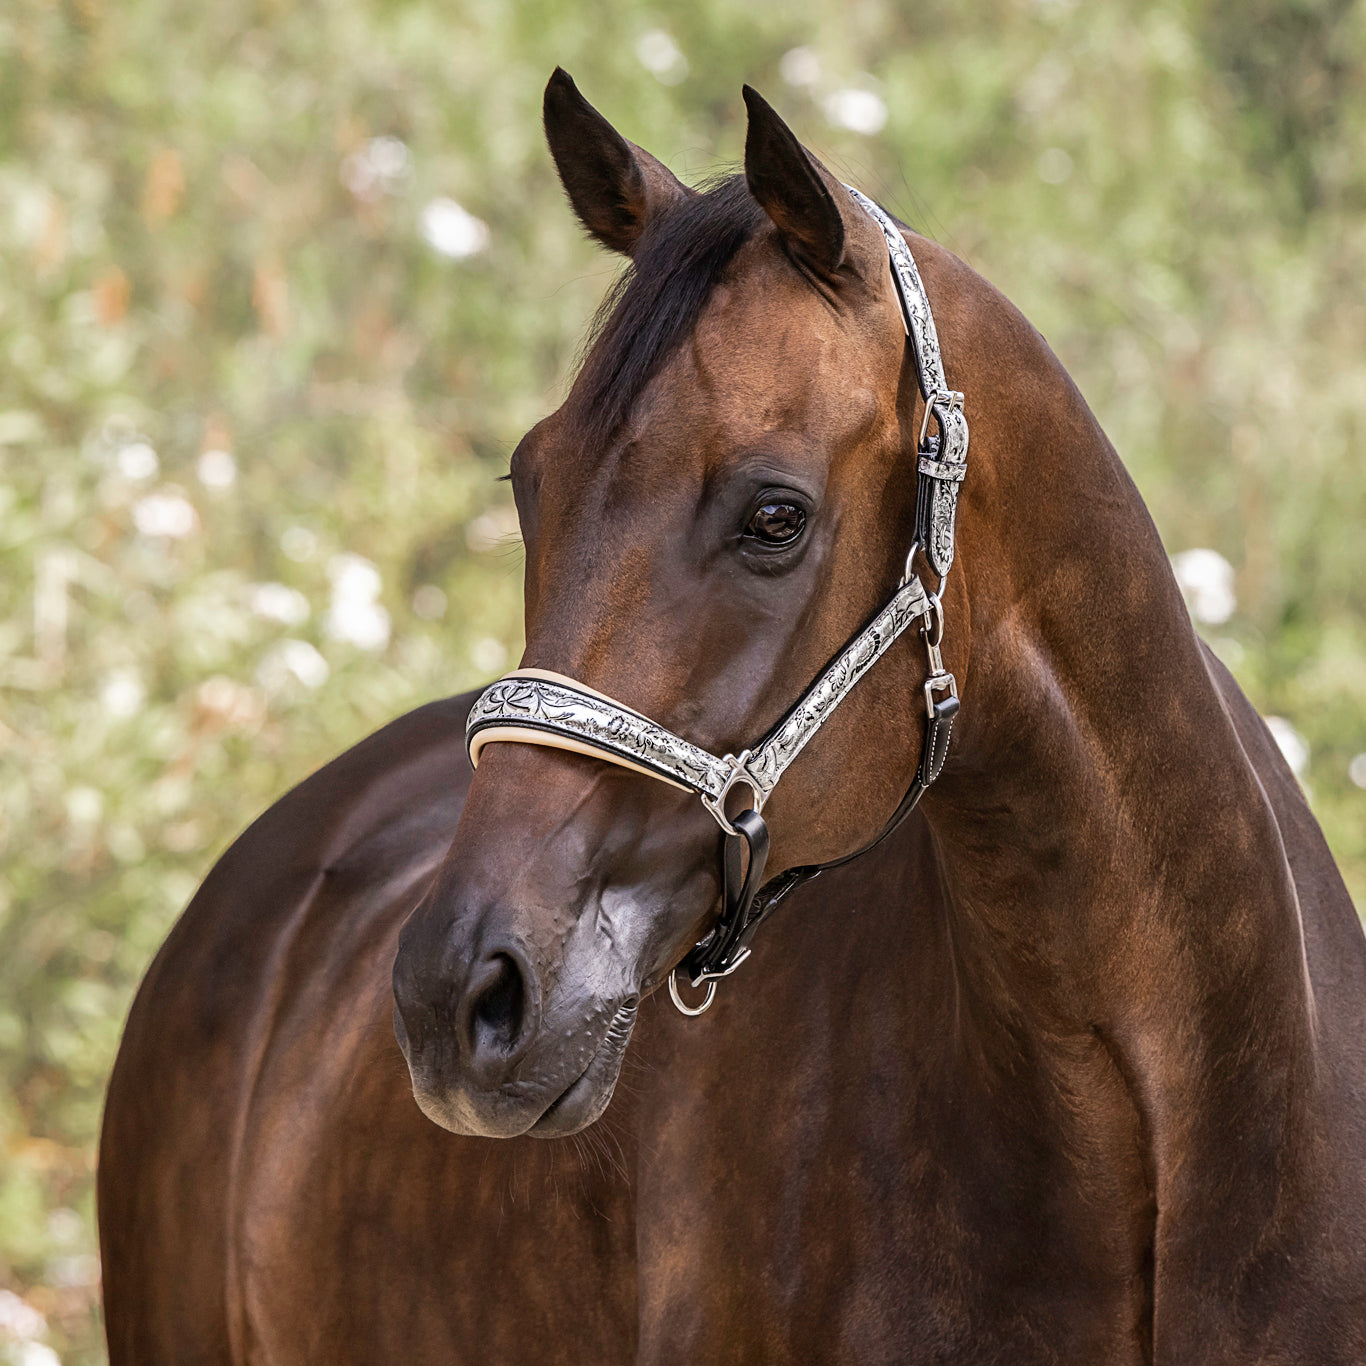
[534,706]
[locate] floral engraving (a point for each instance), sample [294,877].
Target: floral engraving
[772,757]
[542,705]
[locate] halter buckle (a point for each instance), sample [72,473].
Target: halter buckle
[710,978]
[950,396]
[738,774]
[726,971]
[942,681]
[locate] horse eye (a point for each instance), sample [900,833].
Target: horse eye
[776,523]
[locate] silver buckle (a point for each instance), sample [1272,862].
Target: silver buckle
[950,396]
[738,774]
[941,680]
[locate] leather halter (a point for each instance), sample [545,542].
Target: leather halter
[535,706]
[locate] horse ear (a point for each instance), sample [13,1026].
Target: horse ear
[811,209]
[616,188]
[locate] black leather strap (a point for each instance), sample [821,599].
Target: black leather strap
[938,730]
[924,491]
[722,949]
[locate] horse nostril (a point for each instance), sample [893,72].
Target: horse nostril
[500,1023]
[498,1009]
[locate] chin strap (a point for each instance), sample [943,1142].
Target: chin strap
[535,706]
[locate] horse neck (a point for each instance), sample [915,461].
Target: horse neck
[1114,867]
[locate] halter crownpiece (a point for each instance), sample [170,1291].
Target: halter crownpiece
[535,706]
[943,461]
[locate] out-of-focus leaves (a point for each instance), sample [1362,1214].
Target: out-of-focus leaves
[281,287]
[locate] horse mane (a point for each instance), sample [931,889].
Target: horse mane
[656,302]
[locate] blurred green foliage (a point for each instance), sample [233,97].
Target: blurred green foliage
[281,285]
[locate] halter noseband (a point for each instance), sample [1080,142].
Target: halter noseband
[534,706]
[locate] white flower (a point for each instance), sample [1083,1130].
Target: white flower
[388,156]
[279,602]
[1356,770]
[354,578]
[380,167]
[800,66]
[661,57]
[1290,742]
[217,469]
[362,624]
[166,513]
[293,659]
[453,230]
[356,615]
[19,1318]
[123,693]
[33,1354]
[84,805]
[861,111]
[1206,578]
[137,461]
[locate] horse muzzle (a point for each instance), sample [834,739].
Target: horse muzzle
[491,1052]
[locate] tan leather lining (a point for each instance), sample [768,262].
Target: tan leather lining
[526,735]
[551,740]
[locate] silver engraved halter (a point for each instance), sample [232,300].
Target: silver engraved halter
[535,706]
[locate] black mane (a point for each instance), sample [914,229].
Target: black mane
[657,301]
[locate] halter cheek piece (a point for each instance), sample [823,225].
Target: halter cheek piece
[534,706]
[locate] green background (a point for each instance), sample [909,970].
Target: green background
[212,240]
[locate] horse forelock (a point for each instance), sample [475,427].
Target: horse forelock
[656,303]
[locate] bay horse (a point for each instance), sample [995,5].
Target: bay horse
[1069,1068]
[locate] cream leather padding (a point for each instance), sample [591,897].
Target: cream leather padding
[526,735]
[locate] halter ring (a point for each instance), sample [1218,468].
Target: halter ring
[937,608]
[738,774]
[678,1000]
[909,568]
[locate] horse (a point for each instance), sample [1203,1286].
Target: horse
[1069,1067]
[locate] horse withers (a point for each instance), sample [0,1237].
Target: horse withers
[1069,1067]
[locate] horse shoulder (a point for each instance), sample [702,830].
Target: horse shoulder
[304,905]
[1335,948]
[1334,951]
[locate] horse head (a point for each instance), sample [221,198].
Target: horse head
[722,500]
